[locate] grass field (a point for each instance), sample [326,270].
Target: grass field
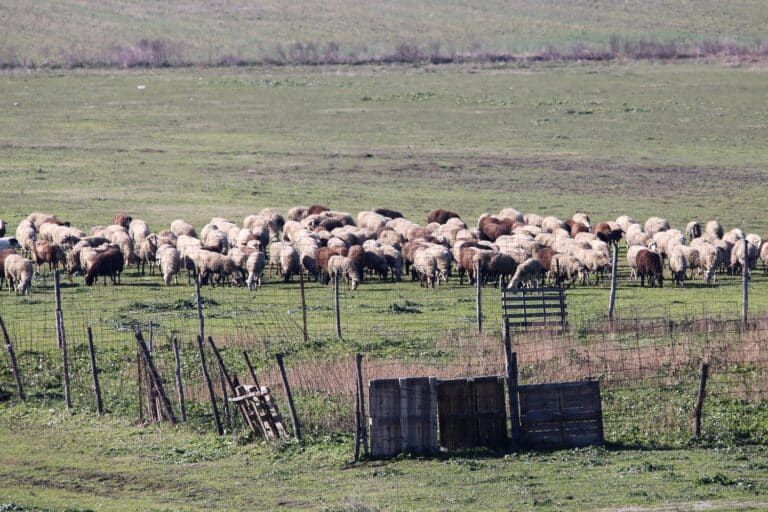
[73,31]
[683,141]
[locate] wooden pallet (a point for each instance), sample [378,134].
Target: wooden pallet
[261,411]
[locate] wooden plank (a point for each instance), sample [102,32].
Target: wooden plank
[417,430]
[384,404]
[490,410]
[456,414]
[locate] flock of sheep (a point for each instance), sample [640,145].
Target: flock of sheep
[511,247]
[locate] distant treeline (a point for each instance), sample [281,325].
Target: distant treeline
[164,53]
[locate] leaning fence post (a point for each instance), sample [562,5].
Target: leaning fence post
[336,304]
[179,383]
[62,339]
[510,358]
[211,394]
[361,434]
[700,399]
[291,406]
[614,271]
[745,285]
[154,378]
[478,297]
[95,372]
[303,307]
[14,363]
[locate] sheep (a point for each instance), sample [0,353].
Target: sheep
[122,219]
[649,264]
[46,252]
[443,260]
[441,216]
[738,257]
[764,256]
[375,261]
[632,253]
[181,227]
[297,213]
[216,265]
[18,273]
[533,219]
[550,224]
[501,268]
[4,253]
[655,224]
[582,218]
[138,230]
[254,266]
[290,262]
[575,227]
[216,240]
[125,243]
[713,229]
[372,220]
[166,237]
[692,259]
[678,264]
[609,232]
[491,228]
[9,242]
[394,260]
[470,256]
[26,235]
[693,230]
[424,268]
[108,263]
[38,218]
[343,267]
[146,253]
[169,259]
[625,221]
[527,274]
[566,269]
[392,214]
[3,228]
[390,236]
[594,261]
[322,256]
[316,209]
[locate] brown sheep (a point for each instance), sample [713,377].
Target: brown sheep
[649,264]
[441,216]
[108,263]
[608,233]
[122,219]
[50,253]
[355,253]
[491,228]
[392,214]
[316,208]
[576,227]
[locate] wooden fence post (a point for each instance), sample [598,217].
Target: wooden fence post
[62,339]
[138,385]
[614,271]
[211,394]
[745,286]
[478,297]
[291,406]
[303,307]
[95,372]
[704,371]
[14,363]
[336,304]
[154,378]
[179,383]
[510,358]
[361,432]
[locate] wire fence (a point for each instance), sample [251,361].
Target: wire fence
[647,360]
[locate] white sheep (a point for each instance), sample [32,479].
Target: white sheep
[26,234]
[138,230]
[18,273]
[182,227]
[678,264]
[655,224]
[343,267]
[714,229]
[425,267]
[169,259]
[254,266]
[625,221]
[527,274]
[550,224]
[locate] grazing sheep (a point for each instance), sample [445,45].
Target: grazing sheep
[254,266]
[216,267]
[138,230]
[216,240]
[4,253]
[169,259]
[108,263]
[166,237]
[125,243]
[441,216]
[297,213]
[26,235]
[550,224]
[345,268]
[513,214]
[594,261]
[372,220]
[46,252]
[146,253]
[575,227]
[582,218]
[181,227]
[9,242]
[678,264]
[649,264]
[491,228]
[424,268]
[655,224]
[609,232]
[316,209]
[322,256]
[738,259]
[38,218]
[714,229]
[693,230]
[501,268]
[18,273]
[528,274]
[565,268]
[625,221]
[533,219]
[632,253]
[290,262]
[375,261]
[122,219]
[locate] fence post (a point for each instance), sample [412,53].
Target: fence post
[179,383]
[745,286]
[361,433]
[291,406]
[614,271]
[336,304]
[478,297]
[138,385]
[200,317]
[211,394]
[700,399]
[95,372]
[510,358]
[14,363]
[62,339]
[303,307]
[154,378]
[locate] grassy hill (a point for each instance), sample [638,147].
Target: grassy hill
[79,31]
